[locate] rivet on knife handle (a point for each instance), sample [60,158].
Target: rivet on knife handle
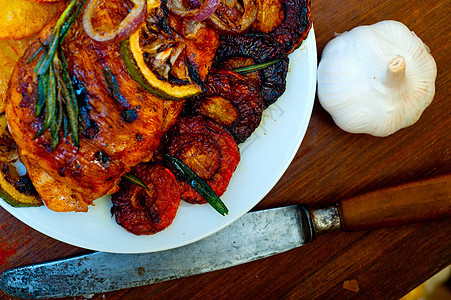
[326,219]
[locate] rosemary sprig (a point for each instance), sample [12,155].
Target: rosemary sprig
[55,90]
[198,185]
[135,180]
[255,67]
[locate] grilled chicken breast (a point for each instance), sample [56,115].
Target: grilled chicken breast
[116,132]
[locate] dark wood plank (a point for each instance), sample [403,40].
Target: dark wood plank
[329,166]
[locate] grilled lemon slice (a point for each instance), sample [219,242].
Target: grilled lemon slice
[155,56]
[18,191]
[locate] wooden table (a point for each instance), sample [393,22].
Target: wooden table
[329,165]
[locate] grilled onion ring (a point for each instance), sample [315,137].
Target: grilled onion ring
[135,17]
[201,12]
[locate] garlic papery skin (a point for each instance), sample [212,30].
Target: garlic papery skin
[376,79]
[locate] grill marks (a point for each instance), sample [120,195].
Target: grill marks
[87,125]
[128,114]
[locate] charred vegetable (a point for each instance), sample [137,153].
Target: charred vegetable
[295,25]
[207,149]
[18,191]
[250,68]
[231,101]
[260,48]
[142,211]
[239,63]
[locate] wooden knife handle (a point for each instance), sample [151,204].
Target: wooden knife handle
[407,203]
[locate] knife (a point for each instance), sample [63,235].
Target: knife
[256,235]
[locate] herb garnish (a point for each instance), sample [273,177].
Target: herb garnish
[135,180]
[55,90]
[198,185]
[255,67]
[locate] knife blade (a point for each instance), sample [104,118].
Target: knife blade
[256,235]
[266,233]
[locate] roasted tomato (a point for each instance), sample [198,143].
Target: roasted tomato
[261,48]
[295,25]
[231,101]
[143,212]
[238,62]
[207,149]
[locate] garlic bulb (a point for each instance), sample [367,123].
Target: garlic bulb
[376,79]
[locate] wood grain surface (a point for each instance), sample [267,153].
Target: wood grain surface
[330,165]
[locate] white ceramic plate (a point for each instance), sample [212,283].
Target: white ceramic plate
[264,158]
